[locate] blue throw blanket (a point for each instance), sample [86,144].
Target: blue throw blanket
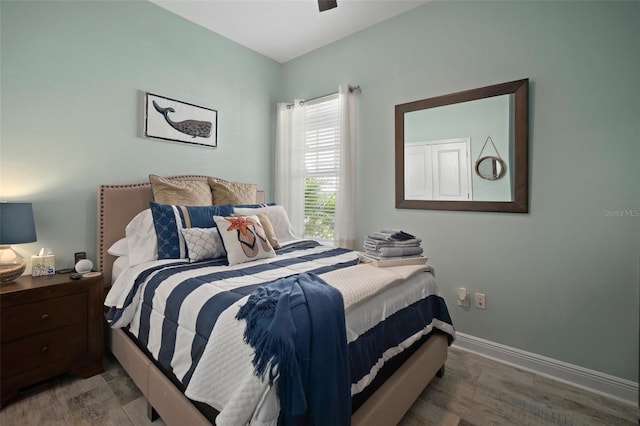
[296,326]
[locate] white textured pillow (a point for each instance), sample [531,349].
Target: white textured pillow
[119,248]
[203,243]
[244,239]
[278,217]
[141,238]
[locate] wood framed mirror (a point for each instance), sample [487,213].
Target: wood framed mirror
[436,138]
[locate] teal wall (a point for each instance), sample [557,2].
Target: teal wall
[561,281]
[72,76]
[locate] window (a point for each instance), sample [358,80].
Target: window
[321,166]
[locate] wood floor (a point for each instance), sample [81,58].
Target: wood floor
[473,391]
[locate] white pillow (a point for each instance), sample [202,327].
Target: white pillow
[120,264]
[244,239]
[203,243]
[119,248]
[277,216]
[141,238]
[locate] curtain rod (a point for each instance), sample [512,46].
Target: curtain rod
[352,89]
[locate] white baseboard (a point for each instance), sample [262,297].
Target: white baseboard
[609,386]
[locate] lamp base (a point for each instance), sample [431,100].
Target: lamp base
[10,274]
[12,265]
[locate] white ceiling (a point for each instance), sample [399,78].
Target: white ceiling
[286,29]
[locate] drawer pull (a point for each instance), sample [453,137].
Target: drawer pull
[44,317]
[44,349]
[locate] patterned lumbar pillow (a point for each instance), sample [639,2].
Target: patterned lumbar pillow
[203,243]
[244,239]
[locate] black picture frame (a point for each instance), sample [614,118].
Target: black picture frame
[173,120]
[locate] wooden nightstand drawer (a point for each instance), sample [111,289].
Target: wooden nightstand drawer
[45,348]
[39,317]
[48,326]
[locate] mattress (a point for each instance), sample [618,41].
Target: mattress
[163,303]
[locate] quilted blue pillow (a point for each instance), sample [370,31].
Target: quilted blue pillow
[168,219]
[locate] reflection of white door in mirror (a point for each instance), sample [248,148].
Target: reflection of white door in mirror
[417,169]
[438,170]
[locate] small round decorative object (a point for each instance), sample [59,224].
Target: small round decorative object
[83,266]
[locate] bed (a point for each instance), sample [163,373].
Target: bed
[383,400]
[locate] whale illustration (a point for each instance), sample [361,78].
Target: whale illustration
[188,127]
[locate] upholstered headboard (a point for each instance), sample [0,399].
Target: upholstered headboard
[117,205]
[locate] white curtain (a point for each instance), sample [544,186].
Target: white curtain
[345,220]
[289,167]
[289,162]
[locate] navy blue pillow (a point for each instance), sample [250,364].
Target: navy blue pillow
[169,218]
[254,206]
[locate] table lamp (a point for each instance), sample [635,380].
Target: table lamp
[16,227]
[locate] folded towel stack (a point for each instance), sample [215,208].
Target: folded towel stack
[392,243]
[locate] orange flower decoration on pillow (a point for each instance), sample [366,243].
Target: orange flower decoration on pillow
[240,223]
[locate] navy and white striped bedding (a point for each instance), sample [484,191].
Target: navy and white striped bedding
[181,313]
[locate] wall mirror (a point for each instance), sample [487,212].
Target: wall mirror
[490,168]
[464,151]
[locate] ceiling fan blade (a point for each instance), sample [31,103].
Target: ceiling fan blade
[327,4]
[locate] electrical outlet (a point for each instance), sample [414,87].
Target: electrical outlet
[480,301]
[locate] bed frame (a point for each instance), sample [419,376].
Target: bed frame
[117,205]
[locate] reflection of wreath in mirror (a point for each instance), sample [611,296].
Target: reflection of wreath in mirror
[498,168]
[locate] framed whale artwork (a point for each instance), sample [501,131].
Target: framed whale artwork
[174,120]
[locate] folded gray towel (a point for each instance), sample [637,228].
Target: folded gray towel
[397,251]
[391,235]
[398,234]
[375,244]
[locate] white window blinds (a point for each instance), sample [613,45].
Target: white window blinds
[322,165]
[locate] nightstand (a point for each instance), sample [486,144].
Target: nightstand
[49,325]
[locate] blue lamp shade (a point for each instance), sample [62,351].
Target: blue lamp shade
[16,227]
[16,223]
